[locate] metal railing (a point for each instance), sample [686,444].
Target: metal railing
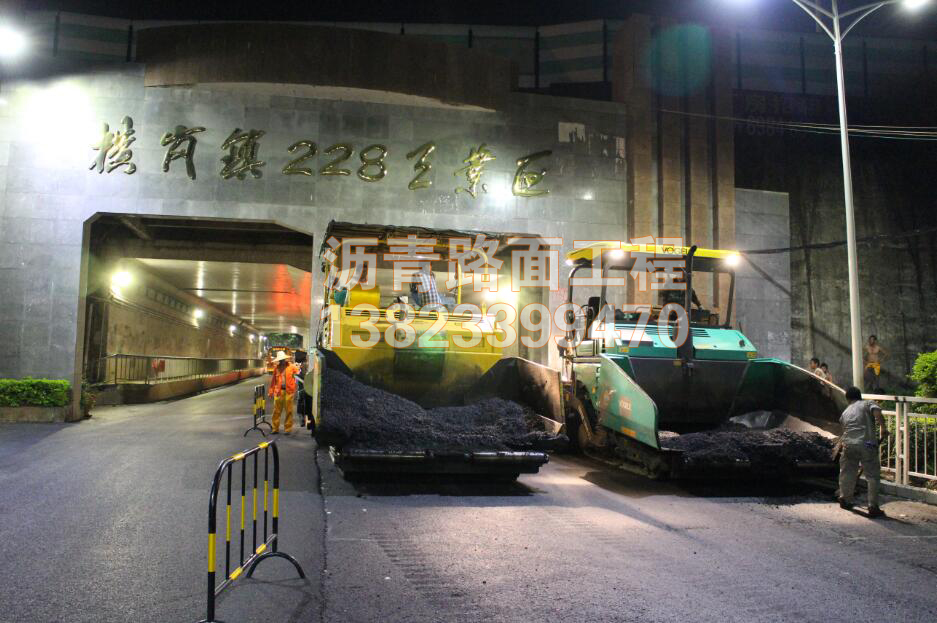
[910,451]
[152,369]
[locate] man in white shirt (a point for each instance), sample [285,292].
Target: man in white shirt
[425,282]
[863,429]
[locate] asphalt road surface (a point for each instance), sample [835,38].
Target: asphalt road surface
[105,520]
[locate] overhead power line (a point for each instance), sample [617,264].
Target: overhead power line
[839,243]
[915,133]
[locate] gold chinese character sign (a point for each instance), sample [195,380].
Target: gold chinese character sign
[181,142]
[242,154]
[241,148]
[114,149]
[474,169]
[524,180]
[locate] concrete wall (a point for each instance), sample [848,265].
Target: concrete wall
[895,223]
[763,281]
[47,191]
[675,80]
[229,52]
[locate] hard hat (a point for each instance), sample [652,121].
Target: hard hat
[281,356]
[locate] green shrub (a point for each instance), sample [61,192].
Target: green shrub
[34,393]
[924,374]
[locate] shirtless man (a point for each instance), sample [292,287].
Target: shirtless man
[874,356]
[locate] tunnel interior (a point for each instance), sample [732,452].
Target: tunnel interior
[176,305]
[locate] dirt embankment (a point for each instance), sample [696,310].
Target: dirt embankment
[359,416]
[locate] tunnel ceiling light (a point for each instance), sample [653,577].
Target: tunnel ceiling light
[121,279]
[12,42]
[198,313]
[914,4]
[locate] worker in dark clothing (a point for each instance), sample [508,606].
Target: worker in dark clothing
[678,297]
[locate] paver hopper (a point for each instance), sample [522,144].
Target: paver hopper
[429,358]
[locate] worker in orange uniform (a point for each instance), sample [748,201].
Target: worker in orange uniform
[282,389]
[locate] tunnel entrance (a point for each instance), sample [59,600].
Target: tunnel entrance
[176,305]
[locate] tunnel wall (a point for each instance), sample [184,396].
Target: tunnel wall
[151,317]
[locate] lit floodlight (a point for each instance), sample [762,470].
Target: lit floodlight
[733,260]
[12,42]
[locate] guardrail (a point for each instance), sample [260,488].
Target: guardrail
[152,369]
[259,410]
[268,548]
[911,448]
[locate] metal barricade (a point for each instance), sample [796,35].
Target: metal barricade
[911,449]
[260,410]
[268,547]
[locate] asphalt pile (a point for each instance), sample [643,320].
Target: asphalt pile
[766,449]
[358,416]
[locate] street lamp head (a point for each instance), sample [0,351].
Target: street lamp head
[12,42]
[913,5]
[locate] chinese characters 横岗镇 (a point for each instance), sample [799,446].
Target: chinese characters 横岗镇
[175,139]
[114,149]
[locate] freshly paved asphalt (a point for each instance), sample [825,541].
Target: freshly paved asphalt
[105,521]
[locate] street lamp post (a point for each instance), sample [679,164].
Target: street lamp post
[832,22]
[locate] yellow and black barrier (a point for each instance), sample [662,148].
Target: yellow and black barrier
[259,410]
[269,546]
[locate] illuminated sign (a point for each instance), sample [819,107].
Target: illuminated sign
[241,160]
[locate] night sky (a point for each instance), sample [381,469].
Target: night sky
[769,14]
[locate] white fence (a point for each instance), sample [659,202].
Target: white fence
[911,448]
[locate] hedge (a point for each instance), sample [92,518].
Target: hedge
[34,393]
[924,374]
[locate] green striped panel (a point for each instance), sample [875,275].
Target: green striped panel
[94,33]
[572,40]
[572,64]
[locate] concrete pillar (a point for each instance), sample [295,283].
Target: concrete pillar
[680,166]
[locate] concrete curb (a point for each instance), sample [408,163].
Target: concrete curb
[918,494]
[33,414]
